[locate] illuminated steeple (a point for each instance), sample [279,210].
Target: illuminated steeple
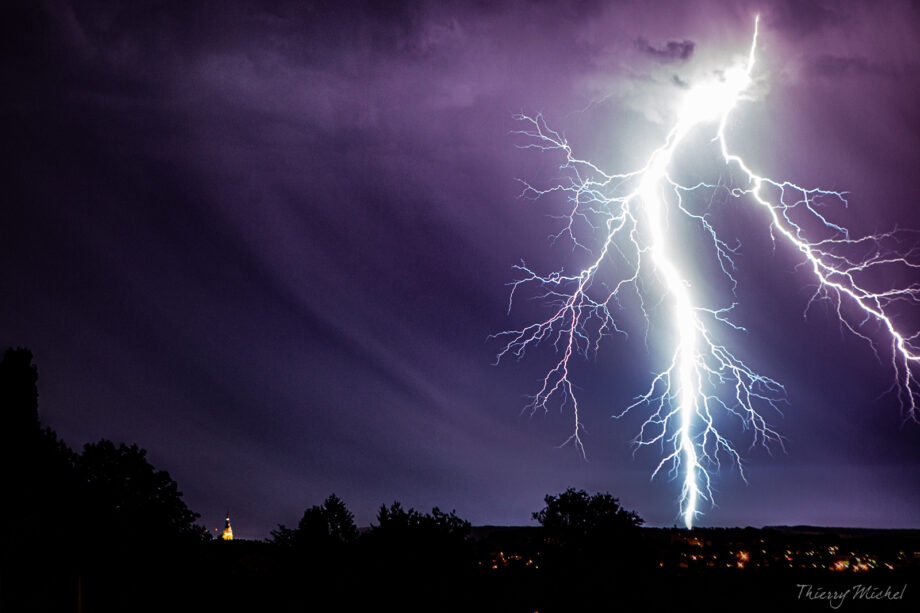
[228,531]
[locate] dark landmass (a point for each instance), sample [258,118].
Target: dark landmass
[495,569]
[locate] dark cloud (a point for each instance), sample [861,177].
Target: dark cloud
[268,241]
[671,51]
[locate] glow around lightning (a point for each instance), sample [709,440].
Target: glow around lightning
[703,380]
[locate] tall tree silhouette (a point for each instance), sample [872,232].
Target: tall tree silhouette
[36,469]
[322,526]
[18,395]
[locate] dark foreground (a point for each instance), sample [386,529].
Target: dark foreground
[100,529]
[496,569]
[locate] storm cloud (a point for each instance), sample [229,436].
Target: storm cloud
[268,241]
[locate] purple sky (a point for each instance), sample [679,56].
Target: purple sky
[268,242]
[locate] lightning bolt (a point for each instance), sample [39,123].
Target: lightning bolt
[704,378]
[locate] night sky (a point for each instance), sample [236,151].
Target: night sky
[268,242]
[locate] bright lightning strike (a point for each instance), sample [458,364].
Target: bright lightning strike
[704,378]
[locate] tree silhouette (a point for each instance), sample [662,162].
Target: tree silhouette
[394,520]
[575,518]
[328,525]
[129,499]
[18,394]
[282,535]
[36,468]
[411,537]
[104,523]
[590,542]
[332,521]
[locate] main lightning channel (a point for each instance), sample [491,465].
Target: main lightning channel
[703,377]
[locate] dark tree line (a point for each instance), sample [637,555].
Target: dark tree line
[333,524]
[101,529]
[75,524]
[431,562]
[321,526]
[105,493]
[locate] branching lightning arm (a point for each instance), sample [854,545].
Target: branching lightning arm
[628,214]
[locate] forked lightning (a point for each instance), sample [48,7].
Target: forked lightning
[632,213]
